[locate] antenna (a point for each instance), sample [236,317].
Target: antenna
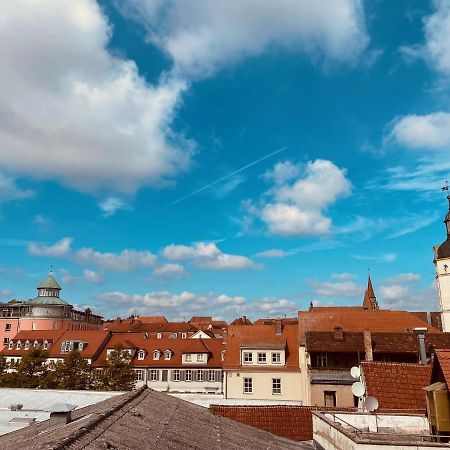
[371,403]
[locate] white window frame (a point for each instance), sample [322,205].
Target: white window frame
[186,377]
[176,375]
[247,357]
[322,359]
[212,376]
[27,345]
[141,355]
[173,335]
[276,358]
[159,335]
[200,376]
[276,386]
[188,357]
[18,345]
[167,355]
[154,375]
[200,357]
[35,344]
[8,326]
[183,335]
[262,358]
[156,355]
[248,385]
[45,346]
[139,375]
[11,345]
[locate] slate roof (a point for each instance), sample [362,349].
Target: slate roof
[358,319]
[145,419]
[291,422]
[397,386]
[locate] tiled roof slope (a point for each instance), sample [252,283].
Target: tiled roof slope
[433,317]
[443,358]
[358,320]
[397,386]
[262,336]
[145,420]
[382,342]
[291,422]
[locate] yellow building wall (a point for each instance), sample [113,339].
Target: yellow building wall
[344,396]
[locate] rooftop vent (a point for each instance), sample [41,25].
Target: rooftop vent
[16,407]
[61,414]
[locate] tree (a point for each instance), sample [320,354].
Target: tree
[118,374]
[4,366]
[73,372]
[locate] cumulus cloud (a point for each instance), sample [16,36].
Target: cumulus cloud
[202,36]
[75,112]
[272,253]
[342,289]
[5,293]
[187,303]
[343,276]
[92,276]
[109,206]
[206,255]
[126,260]
[429,132]
[296,206]
[10,191]
[170,270]
[404,278]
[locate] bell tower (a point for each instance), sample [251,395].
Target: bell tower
[442,264]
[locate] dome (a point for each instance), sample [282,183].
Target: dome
[49,283]
[45,300]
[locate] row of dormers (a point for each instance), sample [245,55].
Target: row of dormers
[27,344]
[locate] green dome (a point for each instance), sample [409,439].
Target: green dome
[49,283]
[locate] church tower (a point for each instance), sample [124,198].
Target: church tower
[442,263]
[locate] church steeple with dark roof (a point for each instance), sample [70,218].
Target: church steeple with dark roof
[370,300]
[443,251]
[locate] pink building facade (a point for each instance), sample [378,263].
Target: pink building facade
[47,311]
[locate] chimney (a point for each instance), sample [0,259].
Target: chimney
[368,345]
[421,336]
[60,414]
[338,334]
[278,327]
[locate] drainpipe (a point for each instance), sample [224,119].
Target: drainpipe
[420,332]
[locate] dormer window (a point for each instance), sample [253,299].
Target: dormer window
[173,335]
[222,355]
[45,345]
[18,345]
[159,335]
[156,354]
[183,335]
[27,345]
[188,357]
[200,357]
[167,354]
[11,345]
[141,355]
[35,344]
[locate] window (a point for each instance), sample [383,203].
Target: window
[156,354]
[262,358]
[167,354]
[173,335]
[188,375]
[183,335]
[35,344]
[200,357]
[248,385]
[211,376]
[176,375]
[5,341]
[199,375]
[329,398]
[11,345]
[276,358]
[276,385]
[139,375]
[159,335]
[188,357]
[46,345]
[18,345]
[8,327]
[27,345]
[248,358]
[321,360]
[154,375]
[141,355]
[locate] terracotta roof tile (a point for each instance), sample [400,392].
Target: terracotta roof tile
[443,358]
[397,386]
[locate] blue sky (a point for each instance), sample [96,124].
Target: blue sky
[232,158]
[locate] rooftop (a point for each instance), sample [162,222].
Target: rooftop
[146,419]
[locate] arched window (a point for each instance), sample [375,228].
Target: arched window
[167,354]
[18,345]
[45,345]
[141,354]
[27,345]
[35,344]
[156,354]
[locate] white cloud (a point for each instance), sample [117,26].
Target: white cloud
[296,206]
[404,278]
[346,289]
[9,190]
[272,253]
[5,293]
[430,131]
[126,260]
[170,270]
[109,206]
[408,296]
[76,113]
[61,249]
[342,276]
[207,256]
[92,276]
[382,258]
[202,36]
[282,172]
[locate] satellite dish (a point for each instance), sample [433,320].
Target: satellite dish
[355,372]
[371,403]
[358,389]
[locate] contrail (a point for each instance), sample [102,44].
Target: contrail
[282,149]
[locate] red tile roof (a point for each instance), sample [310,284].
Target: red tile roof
[152,319]
[291,422]
[397,386]
[443,359]
[327,319]
[260,336]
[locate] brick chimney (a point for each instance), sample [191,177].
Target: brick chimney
[338,333]
[368,345]
[278,327]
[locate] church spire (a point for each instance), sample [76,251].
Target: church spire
[370,300]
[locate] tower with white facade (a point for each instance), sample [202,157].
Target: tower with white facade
[442,263]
